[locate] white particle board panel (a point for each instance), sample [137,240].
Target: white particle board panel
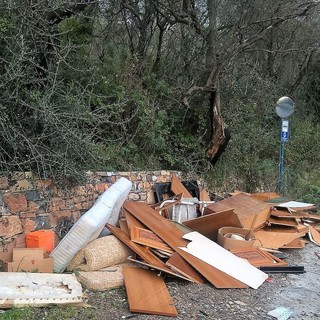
[220,258]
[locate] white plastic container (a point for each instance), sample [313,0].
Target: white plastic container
[105,210]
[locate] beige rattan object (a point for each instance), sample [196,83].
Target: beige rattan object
[100,253]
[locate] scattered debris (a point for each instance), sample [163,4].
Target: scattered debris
[20,289]
[232,243]
[281,313]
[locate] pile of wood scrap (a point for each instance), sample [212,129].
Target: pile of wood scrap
[190,250]
[175,250]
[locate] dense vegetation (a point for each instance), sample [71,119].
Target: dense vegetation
[147,85]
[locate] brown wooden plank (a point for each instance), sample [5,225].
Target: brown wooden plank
[209,225]
[283,221]
[314,235]
[177,187]
[246,207]
[132,221]
[180,265]
[142,251]
[147,293]
[204,195]
[275,240]
[258,257]
[148,238]
[265,196]
[295,244]
[124,226]
[173,237]
[146,254]
[173,273]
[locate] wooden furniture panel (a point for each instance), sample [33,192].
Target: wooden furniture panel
[148,238]
[246,208]
[173,237]
[147,255]
[258,257]
[147,293]
[275,240]
[177,187]
[209,225]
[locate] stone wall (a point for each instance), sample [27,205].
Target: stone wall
[28,203]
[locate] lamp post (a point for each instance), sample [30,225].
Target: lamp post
[284,109]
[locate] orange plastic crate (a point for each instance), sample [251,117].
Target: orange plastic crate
[44,239]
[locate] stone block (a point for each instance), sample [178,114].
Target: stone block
[20,241]
[22,185]
[42,222]
[44,183]
[87,205]
[57,203]
[32,195]
[16,202]
[27,214]
[133,196]
[33,206]
[101,187]
[102,173]
[4,184]
[29,225]
[10,226]
[143,196]
[55,216]
[150,197]
[76,215]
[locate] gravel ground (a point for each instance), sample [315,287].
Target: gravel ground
[300,293]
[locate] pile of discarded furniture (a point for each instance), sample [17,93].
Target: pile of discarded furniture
[182,236]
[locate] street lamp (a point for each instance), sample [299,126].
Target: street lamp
[284,109]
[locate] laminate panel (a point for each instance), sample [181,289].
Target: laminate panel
[146,254]
[147,293]
[170,234]
[209,224]
[177,187]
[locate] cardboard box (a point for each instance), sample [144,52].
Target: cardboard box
[225,240]
[30,260]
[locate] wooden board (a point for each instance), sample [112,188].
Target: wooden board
[124,226]
[258,257]
[223,260]
[283,221]
[252,212]
[173,273]
[204,195]
[177,187]
[173,237]
[142,251]
[146,254]
[178,264]
[148,238]
[314,235]
[295,244]
[265,196]
[147,293]
[209,224]
[275,240]
[132,221]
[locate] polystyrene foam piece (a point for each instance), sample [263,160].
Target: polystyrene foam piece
[105,210]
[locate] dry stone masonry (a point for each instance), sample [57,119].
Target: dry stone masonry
[28,203]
